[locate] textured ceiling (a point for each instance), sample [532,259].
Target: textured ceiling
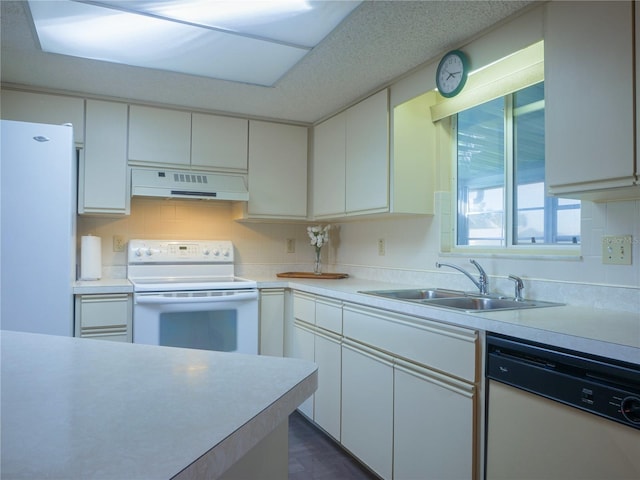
[378,42]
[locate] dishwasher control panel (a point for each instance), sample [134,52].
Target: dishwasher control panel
[596,385]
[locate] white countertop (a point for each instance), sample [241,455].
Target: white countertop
[78,408]
[608,333]
[102,286]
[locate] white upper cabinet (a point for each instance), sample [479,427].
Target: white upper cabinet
[44,108]
[351,160]
[102,174]
[367,154]
[160,137]
[219,143]
[329,156]
[277,171]
[414,156]
[589,91]
[351,164]
[178,139]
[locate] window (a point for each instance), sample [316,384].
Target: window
[500,188]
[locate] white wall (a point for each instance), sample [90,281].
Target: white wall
[412,248]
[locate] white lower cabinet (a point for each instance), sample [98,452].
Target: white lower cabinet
[272,322]
[399,392]
[303,348]
[328,357]
[367,406]
[433,427]
[317,336]
[104,316]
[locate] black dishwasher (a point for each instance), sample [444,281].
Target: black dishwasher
[556,413]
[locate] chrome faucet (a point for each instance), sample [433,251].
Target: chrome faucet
[483,281]
[519,287]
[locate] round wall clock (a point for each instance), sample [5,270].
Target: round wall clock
[452,73]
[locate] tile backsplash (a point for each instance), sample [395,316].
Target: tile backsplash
[259,244]
[412,246]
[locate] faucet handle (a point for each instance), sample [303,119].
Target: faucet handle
[519,286]
[484,278]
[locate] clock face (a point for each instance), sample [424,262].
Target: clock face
[452,73]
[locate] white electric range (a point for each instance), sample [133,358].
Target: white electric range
[186,295]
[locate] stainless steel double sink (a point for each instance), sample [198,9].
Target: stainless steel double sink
[458,300]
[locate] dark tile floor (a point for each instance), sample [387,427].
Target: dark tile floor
[315,456]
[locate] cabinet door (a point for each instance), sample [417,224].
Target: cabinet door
[367,155]
[272,322]
[44,108]
[277,170]
[367,406]
[414,156]
[433,425]
[158,136]
[102,176]
[327,397]
[303,348]
[329,146]
[329,314]
[445,348]
[588,96]
[104,317]
[304,307]
[219,143]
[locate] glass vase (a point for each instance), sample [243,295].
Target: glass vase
[317,266]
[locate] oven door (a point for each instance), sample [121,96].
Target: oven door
[220,320]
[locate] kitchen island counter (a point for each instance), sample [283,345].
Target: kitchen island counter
[78,408]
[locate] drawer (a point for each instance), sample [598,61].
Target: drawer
[438,346]
[304,307]
[329,314]
[104,311]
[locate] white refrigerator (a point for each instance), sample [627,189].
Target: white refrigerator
[38,208]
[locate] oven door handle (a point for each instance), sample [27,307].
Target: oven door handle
[157,299]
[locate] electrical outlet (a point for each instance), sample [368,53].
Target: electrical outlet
[616,250]
[381,247]
[291,245]
[118,243]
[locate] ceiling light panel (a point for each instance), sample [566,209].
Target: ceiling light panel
[299,22]
[239,41]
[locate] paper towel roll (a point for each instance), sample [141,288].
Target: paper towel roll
[91,258]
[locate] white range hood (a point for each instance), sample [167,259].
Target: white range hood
[188,184]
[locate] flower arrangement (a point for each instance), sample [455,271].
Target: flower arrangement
[319,236]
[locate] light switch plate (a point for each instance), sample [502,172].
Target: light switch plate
[616,250]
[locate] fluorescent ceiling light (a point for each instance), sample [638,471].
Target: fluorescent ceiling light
[253,42]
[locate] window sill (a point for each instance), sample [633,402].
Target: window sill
[552,253]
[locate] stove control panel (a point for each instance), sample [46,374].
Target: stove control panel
[180,251]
